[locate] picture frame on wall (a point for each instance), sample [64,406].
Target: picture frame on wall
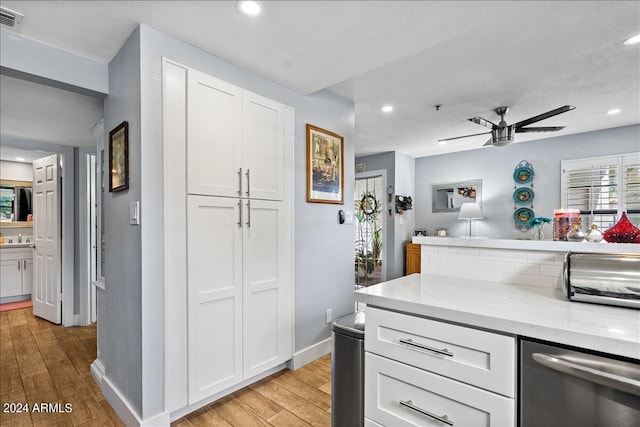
[119,158]
[325,166]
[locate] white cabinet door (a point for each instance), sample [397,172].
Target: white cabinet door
[398,394]
[214,295]
[267,286]
[213,136]
[262,147]
[27,276]
[10,282]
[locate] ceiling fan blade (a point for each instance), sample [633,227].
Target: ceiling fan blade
[543,116]
[483,122]
[489,142]
[540,129]
[466,136]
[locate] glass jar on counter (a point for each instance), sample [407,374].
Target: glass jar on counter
[565,220]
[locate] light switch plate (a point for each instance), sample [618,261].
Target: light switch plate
[134,213]
[348,217]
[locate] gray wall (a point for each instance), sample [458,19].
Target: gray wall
[135,274]
[495,166]
[123,302]
[399,228]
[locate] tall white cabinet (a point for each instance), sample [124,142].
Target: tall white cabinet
[238,220]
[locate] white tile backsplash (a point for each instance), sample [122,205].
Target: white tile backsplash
[508,266]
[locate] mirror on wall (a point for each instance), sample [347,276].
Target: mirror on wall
[15,201]
[448,197]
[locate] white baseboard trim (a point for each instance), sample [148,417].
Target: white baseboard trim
[310,354]
[191,408]
[77,320]
[97,372]
[120,405]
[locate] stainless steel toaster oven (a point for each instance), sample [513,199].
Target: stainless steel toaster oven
[612,279]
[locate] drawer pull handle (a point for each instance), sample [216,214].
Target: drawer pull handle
[410,342]
[443,419]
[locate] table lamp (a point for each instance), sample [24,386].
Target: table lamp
[469,212]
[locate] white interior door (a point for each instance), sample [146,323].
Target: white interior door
[47,293]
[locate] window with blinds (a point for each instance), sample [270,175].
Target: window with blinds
[602,188]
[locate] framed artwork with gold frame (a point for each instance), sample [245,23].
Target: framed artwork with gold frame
[325,166]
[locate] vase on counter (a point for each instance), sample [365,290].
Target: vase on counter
[538,234]
[594,235]
[623,232]
[575,235]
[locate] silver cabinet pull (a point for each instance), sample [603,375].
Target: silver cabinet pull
[410,342]
[240,214]
[618,382]
[248,174]
[19,262]
[24,263]
[240,182]
[248,213]
[443,419]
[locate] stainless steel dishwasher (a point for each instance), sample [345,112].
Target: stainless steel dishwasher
[563,387]
[347,371]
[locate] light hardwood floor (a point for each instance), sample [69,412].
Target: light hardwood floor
[45,363]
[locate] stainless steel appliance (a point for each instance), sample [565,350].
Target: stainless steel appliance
[612,279]
[347,371]
[564,387]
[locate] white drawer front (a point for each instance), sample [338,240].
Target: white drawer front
[475,357]
[369,423]
[387,383]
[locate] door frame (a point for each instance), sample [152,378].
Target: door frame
[386,247]
[67,259]
[86,228]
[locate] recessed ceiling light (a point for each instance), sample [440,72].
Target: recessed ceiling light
[632,40]
[387,108]
[442,142]
[614,111]
[20,159]
[250,8]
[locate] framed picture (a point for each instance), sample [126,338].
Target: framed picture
[119,158]
[325,166]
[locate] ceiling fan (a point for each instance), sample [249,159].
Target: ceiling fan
[503,134]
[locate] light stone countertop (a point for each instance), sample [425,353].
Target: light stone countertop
[531,245]
[527,311]
[15,245]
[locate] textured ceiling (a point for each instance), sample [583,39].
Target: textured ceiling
[471,57]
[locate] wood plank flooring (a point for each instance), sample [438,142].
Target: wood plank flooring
[45,363]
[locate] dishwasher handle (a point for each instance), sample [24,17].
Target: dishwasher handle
[617,382]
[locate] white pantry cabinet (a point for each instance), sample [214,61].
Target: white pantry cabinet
[237,166]
[16,272]
[235,141]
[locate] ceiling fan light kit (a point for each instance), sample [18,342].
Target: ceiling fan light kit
[503,134]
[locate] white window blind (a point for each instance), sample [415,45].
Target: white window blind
[602,188]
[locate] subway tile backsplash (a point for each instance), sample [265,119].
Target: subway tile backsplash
[506,266]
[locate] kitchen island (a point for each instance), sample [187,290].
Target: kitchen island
[440,349]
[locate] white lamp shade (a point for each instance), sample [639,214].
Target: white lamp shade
[470,211]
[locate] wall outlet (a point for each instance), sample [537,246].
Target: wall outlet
[329,315]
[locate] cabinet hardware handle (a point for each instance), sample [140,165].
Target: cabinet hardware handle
[607,379]
[19,262]
[240,182]
[443,419]
[240,213]
[248,213]
[410,342]
[248,181]
[24,264]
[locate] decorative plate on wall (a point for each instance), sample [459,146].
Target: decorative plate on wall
[523,196]
[523,173]
[522,216]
